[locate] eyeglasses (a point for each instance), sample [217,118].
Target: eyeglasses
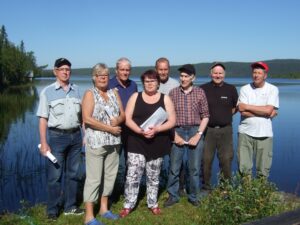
[149,81]
[63,69]
[101,75]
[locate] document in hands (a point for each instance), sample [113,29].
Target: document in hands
[157,118]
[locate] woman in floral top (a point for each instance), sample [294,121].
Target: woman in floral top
[102,114]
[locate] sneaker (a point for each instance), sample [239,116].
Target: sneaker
[76,211]
[52,217]
[170,201]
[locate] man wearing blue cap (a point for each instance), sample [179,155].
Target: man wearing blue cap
[59,113]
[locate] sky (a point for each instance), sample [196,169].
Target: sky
[190,31]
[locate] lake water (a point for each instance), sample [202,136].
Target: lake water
[22,168]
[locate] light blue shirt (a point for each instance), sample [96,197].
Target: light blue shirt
[61,108]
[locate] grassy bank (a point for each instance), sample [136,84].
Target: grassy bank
[235,203]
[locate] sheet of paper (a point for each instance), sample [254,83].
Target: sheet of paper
[157,118]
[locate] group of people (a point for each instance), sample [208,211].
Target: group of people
[110,117]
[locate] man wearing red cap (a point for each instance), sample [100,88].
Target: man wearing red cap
[257,104]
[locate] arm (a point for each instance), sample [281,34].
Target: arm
[87,112]
[265,111]
[129,112]
[43,125]
[196,138]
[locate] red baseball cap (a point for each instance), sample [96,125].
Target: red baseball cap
[261,65]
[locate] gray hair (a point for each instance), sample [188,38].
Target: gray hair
[98,69]
[123,60]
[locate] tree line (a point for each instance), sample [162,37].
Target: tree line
[15,62]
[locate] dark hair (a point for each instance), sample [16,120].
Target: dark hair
[151,74]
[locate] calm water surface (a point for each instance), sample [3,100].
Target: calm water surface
[22,172]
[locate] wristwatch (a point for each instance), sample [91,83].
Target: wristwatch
[200,132]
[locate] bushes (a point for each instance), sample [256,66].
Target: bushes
[244,199]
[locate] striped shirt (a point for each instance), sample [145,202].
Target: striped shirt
[190,107]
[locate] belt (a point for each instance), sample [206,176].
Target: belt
[219,126]
[66,131]
[187,126]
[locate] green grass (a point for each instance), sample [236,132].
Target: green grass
[241,201]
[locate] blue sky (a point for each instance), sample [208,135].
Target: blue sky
[189,31]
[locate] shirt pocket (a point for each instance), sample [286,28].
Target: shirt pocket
[57,108]
[77,105]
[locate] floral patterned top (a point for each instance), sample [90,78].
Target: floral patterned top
[103,110]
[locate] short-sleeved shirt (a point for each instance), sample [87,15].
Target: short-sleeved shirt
[61,108]
[258,126]
[102,112]
[124,92]
[221,100]
[190,107]
[165,88]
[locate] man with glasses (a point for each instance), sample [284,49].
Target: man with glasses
[59,113]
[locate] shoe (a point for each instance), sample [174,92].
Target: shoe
[155,210]
[124,212]
[94,222]
[52,217]
[194,203]
[76,211]
[109,215]
[170,201]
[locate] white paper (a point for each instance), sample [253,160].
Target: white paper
[157,118]
[49,155]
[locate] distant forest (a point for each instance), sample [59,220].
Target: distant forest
[279,68]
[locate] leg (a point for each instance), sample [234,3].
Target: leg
[72,167]
[153,168]
[208,156]
[264,156]
[173,179]
[94,165]
[194,164]
[58,145]
[136,165]
[225,151]
[245,154]
[111,163]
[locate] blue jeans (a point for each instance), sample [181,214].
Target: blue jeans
[67,149]
[194,163]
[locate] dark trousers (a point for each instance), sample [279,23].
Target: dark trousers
[217,140]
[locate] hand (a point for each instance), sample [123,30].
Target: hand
[116,130]
[114,121]
[178,140]
[44,148]
[195,139]
[242,107]
[150,133]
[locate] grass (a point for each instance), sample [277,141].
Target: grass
[240,201]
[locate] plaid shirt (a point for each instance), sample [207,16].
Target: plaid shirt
[190,108]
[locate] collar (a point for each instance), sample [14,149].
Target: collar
[58,86]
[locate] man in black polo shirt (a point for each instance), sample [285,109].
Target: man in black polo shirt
[222,99]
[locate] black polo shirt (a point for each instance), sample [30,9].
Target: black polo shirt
[221,100]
